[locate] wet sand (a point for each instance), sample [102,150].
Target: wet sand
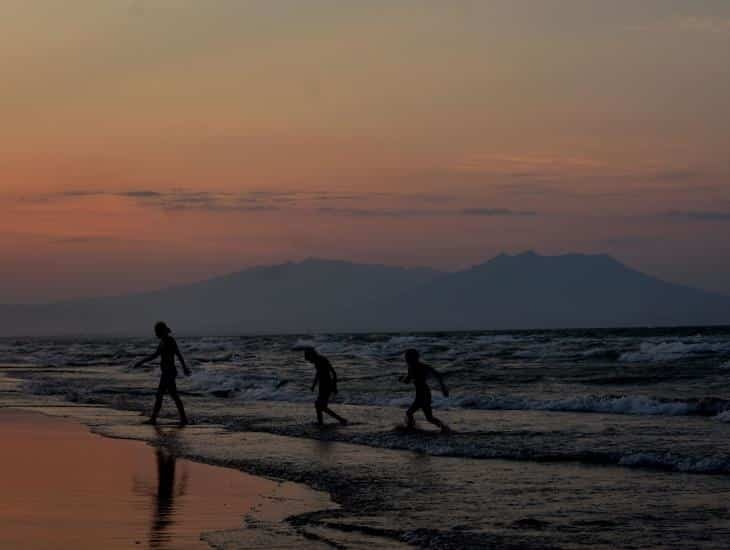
[64,487]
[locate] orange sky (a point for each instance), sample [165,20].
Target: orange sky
[148,143]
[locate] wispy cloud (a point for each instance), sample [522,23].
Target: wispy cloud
[704,23]
[211,201]
[85,239]
[407,212]
[361,205]
[143,194]
[374,212]
[532,165]
[708,24]
[176,199]
[491,212]
[701,215]
[76,193]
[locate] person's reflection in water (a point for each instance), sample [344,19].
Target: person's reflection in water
[165,498]
[165,506]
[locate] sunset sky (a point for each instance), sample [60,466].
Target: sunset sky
[153,142]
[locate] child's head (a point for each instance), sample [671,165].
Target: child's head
[162,330]
[412,356]
[310,354]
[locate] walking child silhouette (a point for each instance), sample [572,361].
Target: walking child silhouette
[167,351]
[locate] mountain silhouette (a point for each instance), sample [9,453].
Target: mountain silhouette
[507,292]
[568,291]
[292,297]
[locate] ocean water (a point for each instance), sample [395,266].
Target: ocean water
[554,431]
[672,372]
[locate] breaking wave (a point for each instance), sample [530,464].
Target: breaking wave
[246,387]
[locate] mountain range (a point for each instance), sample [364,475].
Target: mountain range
[520,291]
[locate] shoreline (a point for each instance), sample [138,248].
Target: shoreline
[306,523]
[294,529]
[65,486]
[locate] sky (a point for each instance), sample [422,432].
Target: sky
[149,143]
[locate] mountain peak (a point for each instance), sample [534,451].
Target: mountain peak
[524,290]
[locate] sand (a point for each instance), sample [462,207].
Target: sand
[64,487]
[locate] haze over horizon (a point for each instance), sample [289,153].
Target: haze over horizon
[323,261]
[149,144]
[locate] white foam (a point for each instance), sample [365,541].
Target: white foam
[675,350]
[669,461]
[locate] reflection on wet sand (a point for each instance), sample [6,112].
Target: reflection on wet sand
[63,487]
[166,495]
[164,511]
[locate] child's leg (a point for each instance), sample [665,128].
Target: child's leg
[178,402]
[158,401]
[323,400]
[410,421]
[333,414]
[432,419]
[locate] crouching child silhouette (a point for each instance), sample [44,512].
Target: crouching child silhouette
[418,373]
[167,351]
[326,377]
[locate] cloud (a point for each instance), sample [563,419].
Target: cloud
[85,239]
[708,24]
[175,199]
[376,212]
[676,175]
[704,24]
[406,212]
[525,166]
[496,212]
[79,193]
[700,215]
[630,241]
[322,202]
[140,194]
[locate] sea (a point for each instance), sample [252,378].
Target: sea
[561,438]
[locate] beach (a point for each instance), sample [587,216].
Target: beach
[64,487]
[634,467]
[359,275]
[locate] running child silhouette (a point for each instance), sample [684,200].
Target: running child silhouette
[326,377]
[167,351]
[418,373]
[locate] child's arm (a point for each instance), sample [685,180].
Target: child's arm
[406,378]
[186,370]
[316,380]
[334,379]
[147,359]
[440,378]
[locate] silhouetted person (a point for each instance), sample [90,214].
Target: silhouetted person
[167,351]
[326,377]
[418,373]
